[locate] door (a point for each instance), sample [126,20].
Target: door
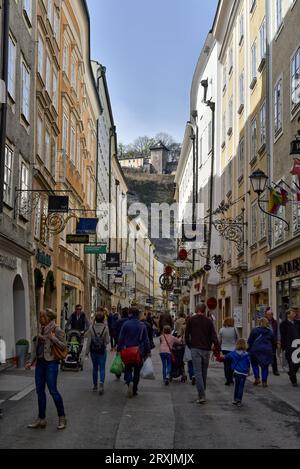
[19,309]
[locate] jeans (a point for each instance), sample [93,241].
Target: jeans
[293,367]
[166,359]
[228,371]
[132,375]
[99,362]
[112,333]
[191,370]
[200,363]
[264,372]
[274,364]
[46,373]
[240,381]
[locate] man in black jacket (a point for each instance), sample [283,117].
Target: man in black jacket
[200,335]
[289,332]
[78,320]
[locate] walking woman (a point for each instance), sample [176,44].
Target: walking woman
[46,371]
[228,337]
[97,340]
[261,343]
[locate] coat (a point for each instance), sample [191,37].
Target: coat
[239,361]
[261,344]
[134,333]
[59,339]
[289,331]
[99,330]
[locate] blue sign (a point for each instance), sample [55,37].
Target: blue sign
[87,226]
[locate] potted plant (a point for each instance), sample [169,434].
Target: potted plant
[22,347]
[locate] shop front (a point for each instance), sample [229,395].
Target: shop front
[286,273]
[259,296]
[70,292]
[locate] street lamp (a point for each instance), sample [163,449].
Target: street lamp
[259,182]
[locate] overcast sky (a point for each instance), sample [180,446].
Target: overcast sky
[150,49]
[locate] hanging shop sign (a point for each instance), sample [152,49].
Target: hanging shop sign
[43,258]
[288,268]
[113,260]
[77,239]
[183,254]
[95,249]
[212,304]
[177,291]
[58,204]
[87,226]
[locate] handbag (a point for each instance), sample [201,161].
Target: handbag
[132,355]
[172,353]
[58,353]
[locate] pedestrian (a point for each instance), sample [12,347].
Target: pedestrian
[143,318]
[239,362]
[289,332]
[97,340]
[47,364]
[200,335]
[78,321]
[228,336]
[134,334]
[261,345]
[112,320]
[120,322]
[273,324]
[165,320]
[150,319]
[180,324]
[167,342]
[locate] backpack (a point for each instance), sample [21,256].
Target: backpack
[97,343]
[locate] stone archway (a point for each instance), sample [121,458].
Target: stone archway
[19,309]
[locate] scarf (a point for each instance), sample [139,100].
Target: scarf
[46,331]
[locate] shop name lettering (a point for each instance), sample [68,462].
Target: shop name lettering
[43,259]
[168,459]
[288,268]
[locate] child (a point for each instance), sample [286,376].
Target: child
[240,364]
[167,342]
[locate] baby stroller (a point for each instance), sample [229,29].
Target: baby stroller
[73,360]
[178,370]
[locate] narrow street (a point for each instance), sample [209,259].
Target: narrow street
[159,418]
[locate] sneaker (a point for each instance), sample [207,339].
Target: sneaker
[95,389]
[39,423]
[62,423]
[130,391]
[101,389]
[193,381]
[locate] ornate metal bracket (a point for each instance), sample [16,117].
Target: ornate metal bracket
[25,202]
[233,229]
[287,228]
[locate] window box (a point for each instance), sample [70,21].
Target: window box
[262,64]
[240,109]
[253,83]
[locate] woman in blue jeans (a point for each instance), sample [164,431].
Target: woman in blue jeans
[46,369]
[261,345]
[98,339]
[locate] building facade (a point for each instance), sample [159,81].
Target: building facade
[16,246]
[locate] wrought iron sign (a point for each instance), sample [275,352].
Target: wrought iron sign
[233,229]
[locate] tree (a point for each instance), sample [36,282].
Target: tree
[165,138]
[122,149]
[142,145]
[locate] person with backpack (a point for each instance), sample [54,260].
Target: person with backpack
[97,341]
[261,345]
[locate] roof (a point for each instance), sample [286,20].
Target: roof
[159,146]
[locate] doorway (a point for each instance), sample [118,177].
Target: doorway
[19,309]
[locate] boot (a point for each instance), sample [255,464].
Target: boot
[62,423]
[39,423]
[257,382]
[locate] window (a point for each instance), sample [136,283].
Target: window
[230,115]
[53,157]
[78,161]
[241,158]
[262,225]
[263,39]
[65,132]
[253,139]
[39,131]
[37,219]
[47,150]
[241,28]
[224,128]
[56,26]
[72,145]
[229,178]
[278,107]
[27,9]
[296,210]
[25,99]
[279,227]
[8,167]
[278,14]
[209,136]
[230,60]
[55,90]
[242,97]
[50,11]
[253,62]
[11,86]
[66,58]
[73,71]
[201,152]
[263,131]
[224,77]
[24,186]
[295,79]
[254,224]
[48,75]
[41,57]
[252,5]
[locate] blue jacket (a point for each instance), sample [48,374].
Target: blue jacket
[112,320]
[260,344]
[134,333]
[118,328]
[240,361]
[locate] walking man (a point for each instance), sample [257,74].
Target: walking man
[200,335]
[289,332]
[78,320]
[274,328]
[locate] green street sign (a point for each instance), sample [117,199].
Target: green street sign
[90,249]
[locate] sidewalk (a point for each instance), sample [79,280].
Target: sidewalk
[15,384]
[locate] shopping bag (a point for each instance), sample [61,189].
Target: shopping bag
[131,356]
[117,366]
[147,371]
[187,355]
